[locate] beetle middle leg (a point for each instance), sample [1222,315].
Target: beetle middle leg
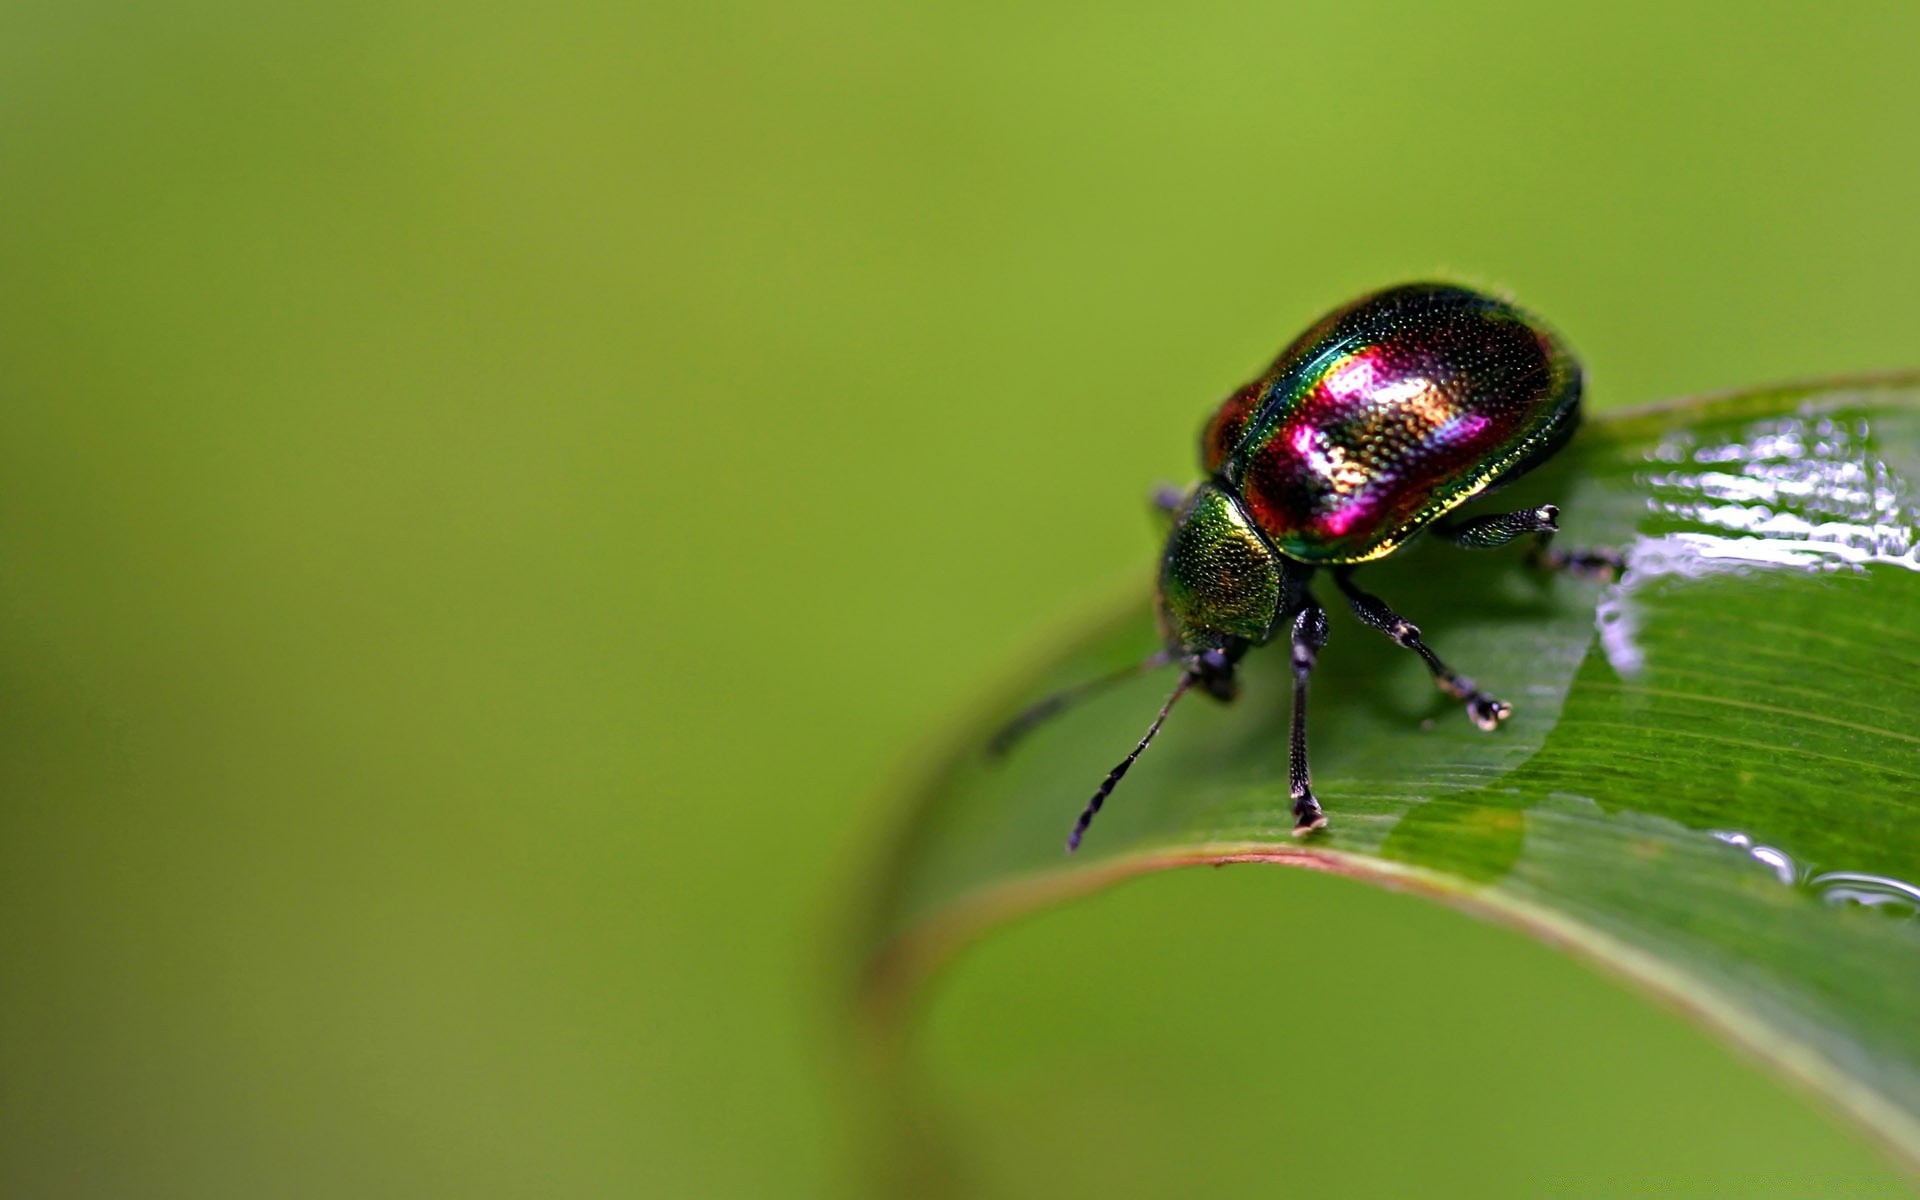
[1487,711]
[1485,533]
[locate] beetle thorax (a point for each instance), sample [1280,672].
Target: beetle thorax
[1220,582]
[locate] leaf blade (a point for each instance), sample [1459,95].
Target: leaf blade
[1711,785]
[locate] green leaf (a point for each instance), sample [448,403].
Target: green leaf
[1710,784]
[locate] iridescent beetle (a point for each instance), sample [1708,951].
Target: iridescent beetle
[1370,428]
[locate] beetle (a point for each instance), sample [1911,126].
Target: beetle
[1368,430]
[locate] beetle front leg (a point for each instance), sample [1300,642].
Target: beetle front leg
[1485,533]
[1487,711]
[1309,635]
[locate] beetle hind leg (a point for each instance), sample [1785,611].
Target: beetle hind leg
[1539,524]
[1582,562]
[1486,711]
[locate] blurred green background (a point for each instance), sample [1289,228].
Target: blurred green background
[493,496]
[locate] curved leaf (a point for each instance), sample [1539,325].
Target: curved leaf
[1710,785]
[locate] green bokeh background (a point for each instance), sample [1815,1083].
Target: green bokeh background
[493,496]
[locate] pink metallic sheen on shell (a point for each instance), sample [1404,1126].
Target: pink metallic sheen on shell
[1387,414]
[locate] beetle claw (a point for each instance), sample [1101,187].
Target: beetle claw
[1307,816]
[1488,712]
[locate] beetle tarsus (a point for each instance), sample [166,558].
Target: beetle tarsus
[1307,815]
[1487,711]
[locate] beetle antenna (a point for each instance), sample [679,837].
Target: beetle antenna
[1040,713]
[1118,773]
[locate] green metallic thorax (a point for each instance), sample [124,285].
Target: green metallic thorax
[1219,579]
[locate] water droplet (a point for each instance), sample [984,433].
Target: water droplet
[1878,892]
[1881,893]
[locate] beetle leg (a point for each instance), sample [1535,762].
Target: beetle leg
[1484,533]
[1582,562]
[1487,711]
[1309,634]
[1166,499]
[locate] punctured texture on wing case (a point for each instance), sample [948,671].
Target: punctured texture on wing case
[1385,415]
